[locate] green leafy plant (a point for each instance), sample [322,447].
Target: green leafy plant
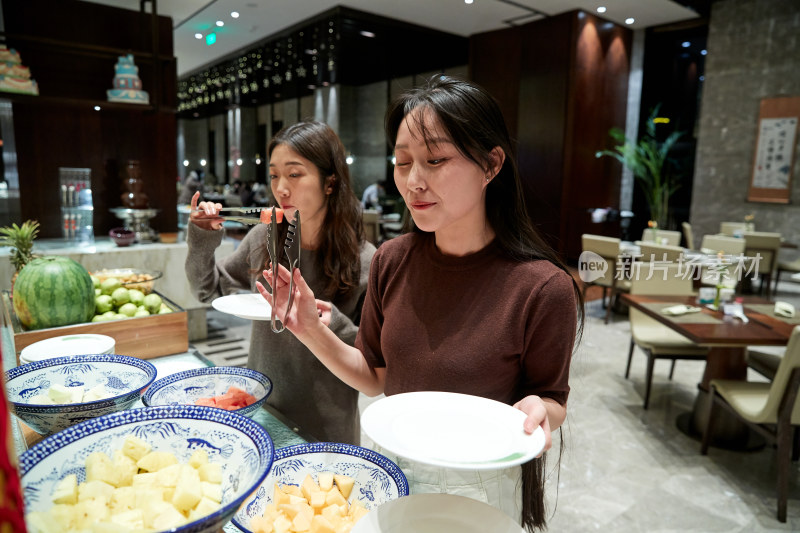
[647,160]
[20,239]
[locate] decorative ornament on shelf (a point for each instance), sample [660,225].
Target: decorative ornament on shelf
[750,222]
[653,225]
[127,85]
[14,77]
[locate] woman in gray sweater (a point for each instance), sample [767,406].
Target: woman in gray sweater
[308,173]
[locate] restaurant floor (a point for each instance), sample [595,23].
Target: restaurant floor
[625,469]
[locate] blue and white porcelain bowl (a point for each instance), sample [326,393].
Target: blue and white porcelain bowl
[185,388]
[123,378]
[240,445]
[377,479]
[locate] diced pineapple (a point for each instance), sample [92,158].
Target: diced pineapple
[301,523]
[98,392]
[211,472]
[325,480]
[308,486]
[345,484]
[317,499]
[66,490]
[332,511]
[199,457]
[63,514]
[124,499]
[279,496]
[168,518]
[168,476]
[88,512]
[42,523]
[135,448]
[155,461]
[153,509]
[94,489]
[203,508]
[125,468]
[292,509]
[61,394]
[296,499]
[334,496]
[109,527]
[133,519]
[99,467]
[292,489]
[144,479]
[281,524]
[212,491]
[261,524]
[357,512]
[188,491]
[320,524]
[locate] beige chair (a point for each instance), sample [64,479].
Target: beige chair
[609,249]
[765,247]
[765,359]
[688,235]
[770,408]
[656,340]
[731,247]
[732,229]
[673,237]
[372,226]
[660,252]
[785,266]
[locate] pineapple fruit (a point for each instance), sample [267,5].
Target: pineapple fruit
[20,239]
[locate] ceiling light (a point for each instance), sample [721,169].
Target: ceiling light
[629,20]
[686,44]
[97,108]
[203,162]
[220,23]
[235,14]
[367,34]
[702,78]
[467,1]
[239,162]
[211,38]
[186,162]
[198,35]
[703,52]
[601,9]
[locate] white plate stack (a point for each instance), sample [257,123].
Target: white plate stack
[79,344]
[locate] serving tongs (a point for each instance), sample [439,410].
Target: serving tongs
[292,247]
[242,218]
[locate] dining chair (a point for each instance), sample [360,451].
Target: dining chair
[656,340]
[673,238]
[770,408]
[785,266]
[372,226]
[765,246]
[765,359]
[688,235]
[730,246]
[732,229]
[652,252]
[609,249]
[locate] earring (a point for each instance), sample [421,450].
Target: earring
[488,179]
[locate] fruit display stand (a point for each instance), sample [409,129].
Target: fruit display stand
[143,337]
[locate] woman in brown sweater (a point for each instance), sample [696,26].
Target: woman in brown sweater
[473,300]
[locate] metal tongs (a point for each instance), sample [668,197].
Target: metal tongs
[292,247]
[250,221]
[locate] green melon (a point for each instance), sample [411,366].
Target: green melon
[53,291]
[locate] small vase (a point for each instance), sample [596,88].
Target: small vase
[717,297]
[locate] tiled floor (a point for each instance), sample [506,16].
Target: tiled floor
[625,469]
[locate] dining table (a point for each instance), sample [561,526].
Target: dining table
[727,338]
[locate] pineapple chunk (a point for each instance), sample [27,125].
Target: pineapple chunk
[211,472]
[168,518]
[66,490]
[99,467]
[301,522]
[212,491]
[279,496]
[199,457]
[325,480]
[42,523]
[133,519]
[168,476]
[145,479]
[155,461]
[98,392]
[88,512]
[61,394]
[334,496]
[123,499]
[317,499]
[308,486]
[135,448]
[292,489]
[333,512]
[203,508]
[63,514]
[95,489]
[345,484]
[125,468]
[188,491]
[281,524]
[320,524]
[357,512]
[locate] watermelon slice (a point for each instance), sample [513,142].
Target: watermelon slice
[234,398]
[266,215]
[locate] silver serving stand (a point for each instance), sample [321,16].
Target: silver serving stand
[138,220]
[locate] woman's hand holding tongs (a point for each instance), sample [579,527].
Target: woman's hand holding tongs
[305,313]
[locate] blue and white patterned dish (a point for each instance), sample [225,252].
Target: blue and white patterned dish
[122,376]
[377,479]
[185,388]
[241,445]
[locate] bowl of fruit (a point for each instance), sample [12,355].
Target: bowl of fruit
[239,390]
[183,469]
[320,486]
[53,394]
[129,278]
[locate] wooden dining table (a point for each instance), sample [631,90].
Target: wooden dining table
[727,338]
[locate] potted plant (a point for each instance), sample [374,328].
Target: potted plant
[647,160]
[20,239]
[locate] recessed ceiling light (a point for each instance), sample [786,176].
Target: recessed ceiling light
[686,44]
[220,23]
[467,1]
[630,20]
[97,108]
[235,14]
[198,35]
[601,9]
[367,34]
[703,52]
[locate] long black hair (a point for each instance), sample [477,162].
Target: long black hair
[473,120]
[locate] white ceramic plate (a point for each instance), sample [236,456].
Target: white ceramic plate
[436,513]
[451,430]
[77,344]
[249,306]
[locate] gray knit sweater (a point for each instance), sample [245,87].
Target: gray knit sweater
[303,389]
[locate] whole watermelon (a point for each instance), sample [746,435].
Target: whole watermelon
[53,291]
